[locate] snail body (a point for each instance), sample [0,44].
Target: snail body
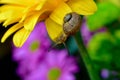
[71,25]
[62,38]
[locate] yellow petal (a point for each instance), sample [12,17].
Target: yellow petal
[4,16]
[44,15]
[19,2]
[10,14]
[52,4]
[40,4]
[58,14]
[11,20]
[11,31]
[31,9]
[30,21]
[84,7]
[54,30]
[20,37]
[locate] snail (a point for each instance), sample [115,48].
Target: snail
[71,24]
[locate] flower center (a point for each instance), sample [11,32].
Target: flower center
[54,74]
[34,45]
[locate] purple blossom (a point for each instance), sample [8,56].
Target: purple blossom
[32,52]
[86,34]
[36,63]
[105,73]
[57,65]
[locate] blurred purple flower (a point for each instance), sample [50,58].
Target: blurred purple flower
[34,49]
[86,34]
[35,63]
[57,65]
[105,73]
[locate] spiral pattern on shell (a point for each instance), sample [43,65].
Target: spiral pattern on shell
[72,23]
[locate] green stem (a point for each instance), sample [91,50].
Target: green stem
[85,57]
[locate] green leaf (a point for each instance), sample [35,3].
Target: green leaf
[99,46]
[107,13]
[104,50]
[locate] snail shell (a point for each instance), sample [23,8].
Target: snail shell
[71,25]
[72,22]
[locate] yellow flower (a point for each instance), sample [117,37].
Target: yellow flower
[26,13]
